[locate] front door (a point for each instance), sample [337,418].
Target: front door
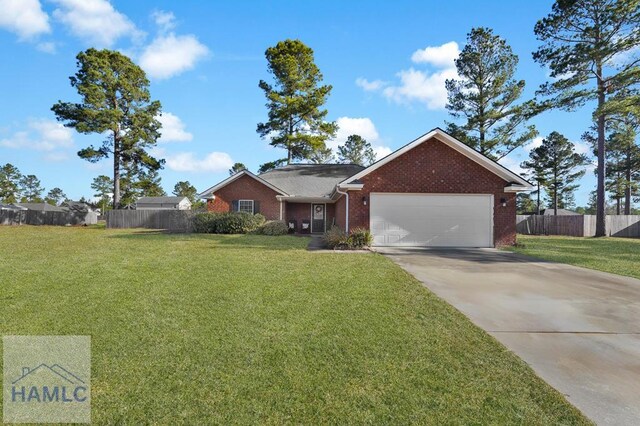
[317,217]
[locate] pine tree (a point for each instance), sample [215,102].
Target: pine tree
[10,178]
[356,150]
[586,45]
[236,168]
[559,166]
[296,118]
[115,102]
[486,97]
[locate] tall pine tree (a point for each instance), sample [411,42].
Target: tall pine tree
[486,97]
[296,120]
[588,45]
[115,101]
[558,167]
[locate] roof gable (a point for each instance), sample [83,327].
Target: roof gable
[209,192]
[518,183]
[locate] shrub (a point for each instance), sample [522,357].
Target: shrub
[359,238]
[273,227]
[227,223]
[205,223]
[335,238]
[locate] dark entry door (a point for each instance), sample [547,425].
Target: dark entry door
[318,216]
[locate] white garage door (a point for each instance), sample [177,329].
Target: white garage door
[435,220]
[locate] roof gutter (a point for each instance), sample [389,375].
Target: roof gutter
[518,188]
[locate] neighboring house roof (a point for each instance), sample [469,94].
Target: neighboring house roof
[11,207]
[42,207]
[517,183]
[561,212]
[310,180]
[161,200]
[77,206]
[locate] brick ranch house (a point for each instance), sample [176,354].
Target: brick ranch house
[434,191]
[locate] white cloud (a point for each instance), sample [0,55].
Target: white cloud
[583,148]
[512,164]
[56,157]
[536,142]
[421,86]
[95,21]
[42,135]
[427,87]
[580,147]
[381,151]
[165,21]
[47,47]
[438,56]
[370,86]
[173,129]
[348,126]
[24,17]
[214,162]
[169,55]
[364,127]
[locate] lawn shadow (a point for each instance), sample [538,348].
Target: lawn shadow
[485,256]
[235,241]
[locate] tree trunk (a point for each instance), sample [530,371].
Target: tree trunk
[601,229]
[538,201]
[627,187]
[555,202]
[116,171]
[289,148]
[618,206]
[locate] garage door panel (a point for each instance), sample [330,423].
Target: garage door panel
[436,220]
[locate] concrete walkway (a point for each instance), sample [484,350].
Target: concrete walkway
[578,329]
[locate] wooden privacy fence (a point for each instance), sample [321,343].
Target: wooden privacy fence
[170,220]
[33,217]
[578,225]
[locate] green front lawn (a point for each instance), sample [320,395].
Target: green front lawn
[206,329]
[616,255]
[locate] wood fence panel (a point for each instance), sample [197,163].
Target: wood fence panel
[33,217]
[578,225]
[170,220]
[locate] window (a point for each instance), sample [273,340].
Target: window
[245,206]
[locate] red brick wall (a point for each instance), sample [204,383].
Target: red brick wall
[340,211]
[330,214]
[302,211]
[246,188]
[434,167]
[298,212]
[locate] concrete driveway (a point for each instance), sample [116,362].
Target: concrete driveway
[579,329]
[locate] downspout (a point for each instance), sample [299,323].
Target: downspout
[346,217]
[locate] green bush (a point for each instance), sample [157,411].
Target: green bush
[335,238]
[205,223]
[273,227]
[359,238]
[227,223]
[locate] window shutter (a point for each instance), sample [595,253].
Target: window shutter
[235,206]
[256,206]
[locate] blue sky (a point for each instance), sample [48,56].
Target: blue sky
[387,62]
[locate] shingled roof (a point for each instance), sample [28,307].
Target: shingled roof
[309,180]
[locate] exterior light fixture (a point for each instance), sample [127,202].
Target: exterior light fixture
[503,201]
[364,200]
